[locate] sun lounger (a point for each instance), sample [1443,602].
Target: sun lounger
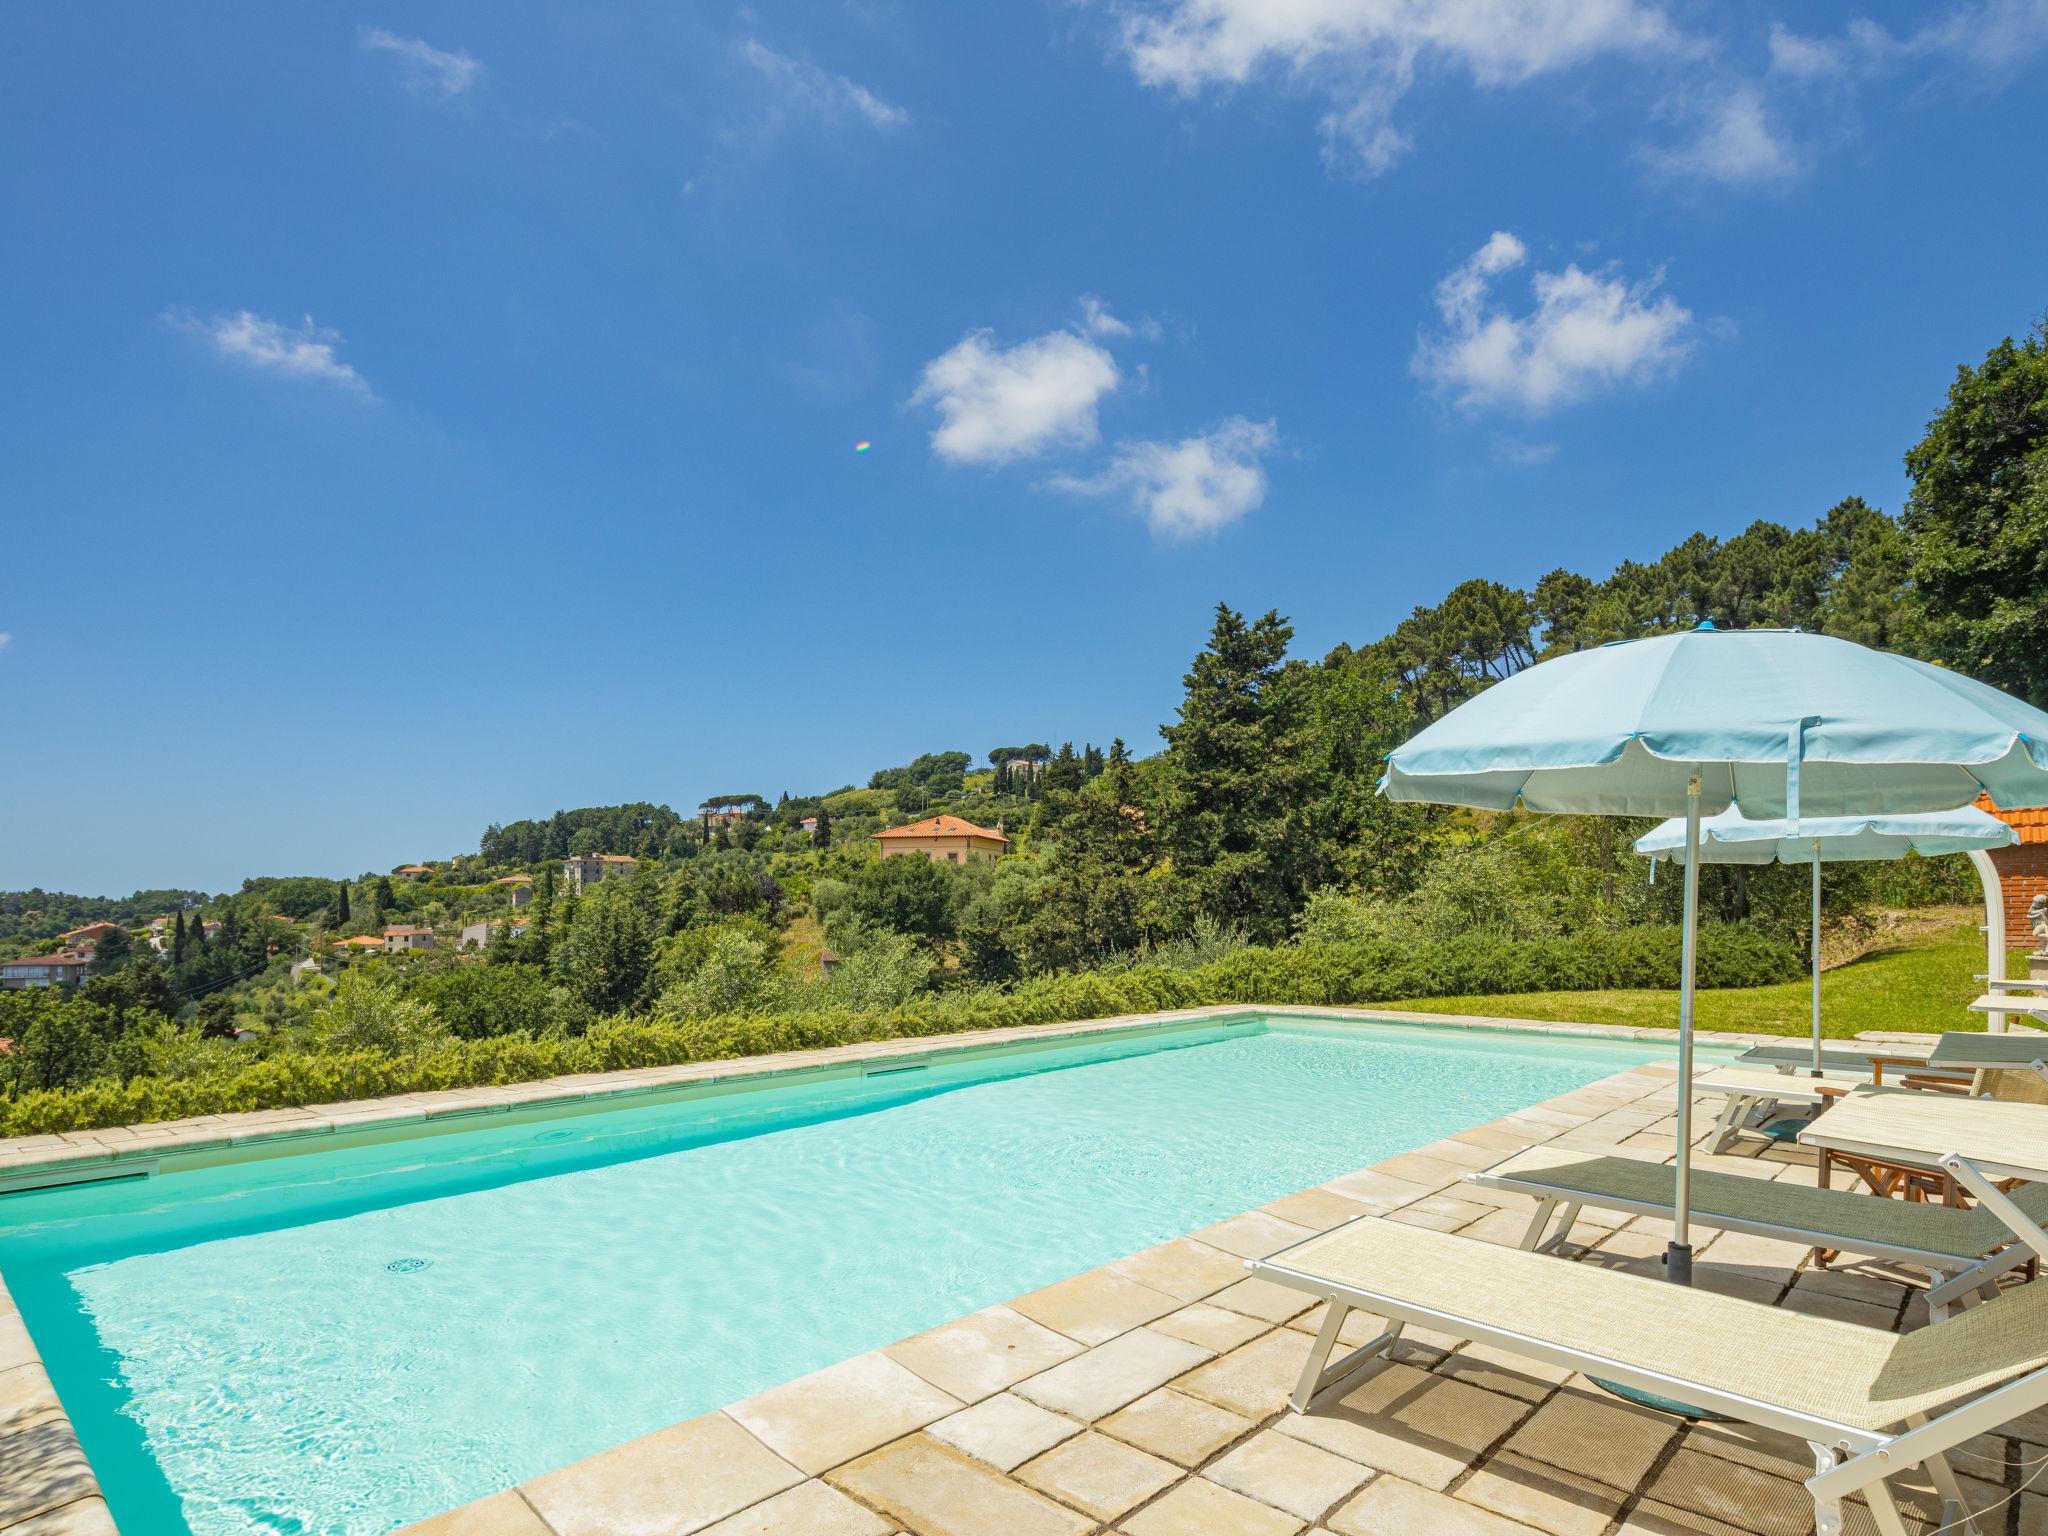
[1870,1403]
[1863,1060]
[1750,1095]
[1963,1251]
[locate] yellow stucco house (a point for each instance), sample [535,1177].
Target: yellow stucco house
[943,840]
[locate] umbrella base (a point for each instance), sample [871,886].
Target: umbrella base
[1678,1263]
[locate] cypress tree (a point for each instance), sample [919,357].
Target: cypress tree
[341,903]
[822,836]
[178,941]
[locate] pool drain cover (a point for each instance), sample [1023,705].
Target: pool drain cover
[562,1135]
[407,1266]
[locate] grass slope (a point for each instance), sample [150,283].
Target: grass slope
[1923,983]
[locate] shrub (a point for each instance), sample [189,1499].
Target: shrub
[1306,973]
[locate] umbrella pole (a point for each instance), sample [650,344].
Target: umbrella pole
[1816,959]
[1678,1256]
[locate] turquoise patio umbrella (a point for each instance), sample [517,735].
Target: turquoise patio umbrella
[1731,838]
[1782,723]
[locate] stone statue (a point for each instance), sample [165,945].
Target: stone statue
[2037,916]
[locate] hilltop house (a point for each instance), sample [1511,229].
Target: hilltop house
[414,872]
[477,935]
[66,969]
[943,840]
[583,869]
[518,887]
[84,940]
[402,937]
[360,941]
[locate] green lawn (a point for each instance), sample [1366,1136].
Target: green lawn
[1923,984]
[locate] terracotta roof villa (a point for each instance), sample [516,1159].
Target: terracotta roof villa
[942,839]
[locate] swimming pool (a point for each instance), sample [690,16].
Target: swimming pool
[338,1342]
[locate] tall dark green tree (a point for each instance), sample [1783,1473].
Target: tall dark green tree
[1977,520]
[1232,819]
[178,939]
[821,834]
[605,949]
[340,903]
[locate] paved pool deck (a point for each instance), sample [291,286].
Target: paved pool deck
[1145,1398]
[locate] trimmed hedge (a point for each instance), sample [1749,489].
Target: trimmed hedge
[1308,974]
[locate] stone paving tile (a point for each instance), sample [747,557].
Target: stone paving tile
[809,1509]
[934,1490]
[1317,1209]
[670,1483]
[1263,1299]
[1424,1428]
[820,1420]
[982,1353]
[1095,1385]
[1288,1474]
[1183,1429]
[1548,1498]
[1004,1431]
[1214,1328]
[1094,1308]
[1199,1507]
[1099,1476]
[1392,1507]
[42,1468]
[1496,1370]
[1424,1347]
[85,1517]
[1254,1235]
[1595,1435]
[1183,1269]
[1252,1380]
[502,1514]
[1821,1304]
[1701,1494]
[1379,1192]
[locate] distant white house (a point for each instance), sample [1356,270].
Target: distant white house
[301,969]
[400,938]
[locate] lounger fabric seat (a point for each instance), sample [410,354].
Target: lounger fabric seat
[1858,1223]
[1815,1367]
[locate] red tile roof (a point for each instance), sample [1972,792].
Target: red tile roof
[400,932]
[90,930]
[943,826]
[2031,822]
[47,960]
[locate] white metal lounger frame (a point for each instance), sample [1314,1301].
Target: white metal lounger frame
[1847,1459]
[1952,1280]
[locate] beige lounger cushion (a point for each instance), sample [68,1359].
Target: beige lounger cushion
[1843,1217]
[1841,1372]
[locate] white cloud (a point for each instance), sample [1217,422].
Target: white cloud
[1193,486]
[1364,55]
[997,404]
[1733,143]
[5,639]
[426,70]
[1518,454]
[1993,39]
[801,86]
[1587,332]
[305,352]
[1097,320]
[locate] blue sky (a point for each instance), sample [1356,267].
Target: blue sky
[420,417]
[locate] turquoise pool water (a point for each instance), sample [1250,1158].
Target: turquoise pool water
[337,1343]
